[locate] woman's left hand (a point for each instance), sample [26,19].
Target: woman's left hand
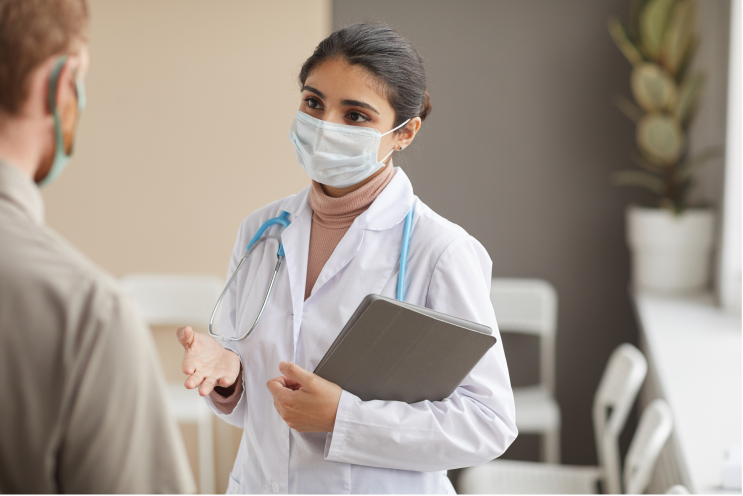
[306,402]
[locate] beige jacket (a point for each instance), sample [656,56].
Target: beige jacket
[82,393]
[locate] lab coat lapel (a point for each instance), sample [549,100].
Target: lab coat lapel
[342,254]
[387,210]
[296,240]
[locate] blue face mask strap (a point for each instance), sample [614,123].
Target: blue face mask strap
[404,254]
[60,155]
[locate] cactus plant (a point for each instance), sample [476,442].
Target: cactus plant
[659,42]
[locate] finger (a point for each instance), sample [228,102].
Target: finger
[277,390]
[291,383]
[207,386]
[194,380]
[190,365]
[226,382]
[185,336]
[295,372]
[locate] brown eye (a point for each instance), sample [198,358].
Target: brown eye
[312,103]
[357,117]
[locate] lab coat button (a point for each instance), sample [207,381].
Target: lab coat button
[274,486]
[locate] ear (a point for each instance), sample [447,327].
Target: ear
[65,86]
[404,138]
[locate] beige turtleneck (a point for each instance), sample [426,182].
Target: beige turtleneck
[331,218]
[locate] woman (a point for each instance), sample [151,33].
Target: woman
[363,97]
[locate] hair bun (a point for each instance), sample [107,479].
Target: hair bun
[425,106]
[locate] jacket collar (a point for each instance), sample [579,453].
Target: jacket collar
[388,210]
[20,190]
[392,204]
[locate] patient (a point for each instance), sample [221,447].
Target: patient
[82,406]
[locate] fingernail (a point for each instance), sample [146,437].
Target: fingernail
[282,365]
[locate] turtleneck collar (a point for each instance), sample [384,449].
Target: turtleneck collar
[339,213]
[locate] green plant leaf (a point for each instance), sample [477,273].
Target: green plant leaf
[653,21]
[680,33]
[635,7]
[639,178]
[623,42]
[660,138]
[687,98]
[690,166]
[653,87]
[628,107]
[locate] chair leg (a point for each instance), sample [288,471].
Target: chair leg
[206,454]
[551,446]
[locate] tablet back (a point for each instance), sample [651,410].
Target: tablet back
[394,351]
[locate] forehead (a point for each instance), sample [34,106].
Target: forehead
[339,80]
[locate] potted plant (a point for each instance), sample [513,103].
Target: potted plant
[670,239]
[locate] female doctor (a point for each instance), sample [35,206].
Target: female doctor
[363,98]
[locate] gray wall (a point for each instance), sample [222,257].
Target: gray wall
[518,150]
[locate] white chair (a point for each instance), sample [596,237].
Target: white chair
[617,391]
[651,435]
[167,299]
[529,306]
[677,489]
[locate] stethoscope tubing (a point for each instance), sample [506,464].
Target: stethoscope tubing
[284,221]
[404,254]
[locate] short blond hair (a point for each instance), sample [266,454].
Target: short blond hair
[31,31]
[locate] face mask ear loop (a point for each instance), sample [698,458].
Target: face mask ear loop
[388,132]
[388,156]
[398,127]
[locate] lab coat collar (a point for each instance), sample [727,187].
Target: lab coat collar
[388,210]
[296,204]
[19,189]
[392,204]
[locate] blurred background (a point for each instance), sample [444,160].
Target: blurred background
[186,133]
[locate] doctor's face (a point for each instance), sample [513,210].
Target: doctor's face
[339,92]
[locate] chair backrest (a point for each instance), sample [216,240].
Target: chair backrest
[651,435]
[617,391]
[174,299]
[529,306]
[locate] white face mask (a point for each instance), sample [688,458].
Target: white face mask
[336,155]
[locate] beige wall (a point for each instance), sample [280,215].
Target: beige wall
[185,133]
[186,129]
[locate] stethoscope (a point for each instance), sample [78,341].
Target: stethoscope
[284,221]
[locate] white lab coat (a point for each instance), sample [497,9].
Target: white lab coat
[375,446]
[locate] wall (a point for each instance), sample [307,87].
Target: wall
[518,150]
[186,129]
[185,133]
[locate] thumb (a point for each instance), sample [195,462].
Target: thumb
[185,336]
[295,372]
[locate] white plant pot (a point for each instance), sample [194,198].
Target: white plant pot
[670,253]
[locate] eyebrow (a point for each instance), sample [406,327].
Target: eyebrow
[313,90]
[356,103]
[352,103]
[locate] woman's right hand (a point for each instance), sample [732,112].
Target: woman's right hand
[206,362]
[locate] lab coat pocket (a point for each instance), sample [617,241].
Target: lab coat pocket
[234,486]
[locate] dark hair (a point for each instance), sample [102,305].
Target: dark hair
[388,56]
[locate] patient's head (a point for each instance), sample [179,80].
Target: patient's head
[34,34]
